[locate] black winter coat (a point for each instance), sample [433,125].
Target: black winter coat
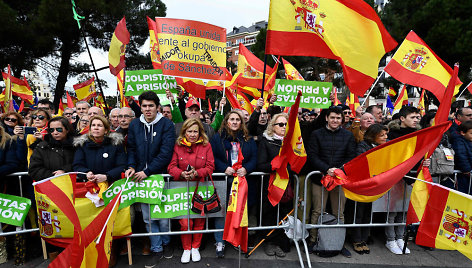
[327,149]
[51,155]
[8,159]
[363,147]
[107,158]
[267,150]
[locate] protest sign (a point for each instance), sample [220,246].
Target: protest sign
[176,200]
[314,94]
[148,191]
[136,82]
[191,49]
[13,209]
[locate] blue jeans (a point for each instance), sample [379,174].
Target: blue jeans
[155,226]
[219,224]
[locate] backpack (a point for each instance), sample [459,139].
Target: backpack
[442,160]
[330,241]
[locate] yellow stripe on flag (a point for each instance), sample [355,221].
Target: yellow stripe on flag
[361,198]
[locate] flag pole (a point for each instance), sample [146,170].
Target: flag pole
[224,90]
[464,89]
[372,87]
[263,76]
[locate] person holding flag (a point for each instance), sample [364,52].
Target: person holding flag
[232,137]
[269,146]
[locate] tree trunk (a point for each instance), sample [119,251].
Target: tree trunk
[66,53]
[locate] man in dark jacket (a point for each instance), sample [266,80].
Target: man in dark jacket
[409,119]
[151,139]
[329,148]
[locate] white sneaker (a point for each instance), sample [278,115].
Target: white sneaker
[196,255]
[401,244]
[393,247]
[185,257]
[220,250]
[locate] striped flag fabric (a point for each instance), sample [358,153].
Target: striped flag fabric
[196,87]
[421,106]
[414,63]
[7,93]
[20,88]
[290,72]
[402,99]
[353,103]
[391,92]
[85,90]
[116,53]
[251,68]
[120,78]
[70,101]
[154,45]
[349,31]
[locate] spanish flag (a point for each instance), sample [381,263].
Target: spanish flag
[85,90]
[217,84]
[236,223]
[120,78]
[336,100]
[233,101]
[347,31]
[270,80]
[391,92]
[116,54]
[155,54]
[290,72]
[416,64]
[402,99]
[447,221]
[196,87]
[7,93]
[353,103]
[292,152]
[244,102]
[251,91]
[421,106]
[70,101]
[251,68]
[373,173]
[20,88]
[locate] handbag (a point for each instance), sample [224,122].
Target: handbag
[211,205]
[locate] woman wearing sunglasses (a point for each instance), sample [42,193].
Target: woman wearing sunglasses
[10,120]
[192,160]
[278,243]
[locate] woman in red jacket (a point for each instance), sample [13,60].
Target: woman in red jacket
[193,150]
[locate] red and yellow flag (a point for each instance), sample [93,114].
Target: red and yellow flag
[244,102]
[421,106]
[416,64]
[85,90]
[368,178]
[447,221]
[70,101]
[270,80]
[7,93]
[336,100]
[233,101]
[236,223]
[155,54]
[116,54]
[353,103]
[391,92]
[196,87]
[290,72]
[120,78]
[402,99]
[347,31]
[19,88]
[292,152]
[251,68]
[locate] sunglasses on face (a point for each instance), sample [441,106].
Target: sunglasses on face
[40,117]
[58,129]
[280,124]
[74,117]
[347,112]
[67,114]
[13,120]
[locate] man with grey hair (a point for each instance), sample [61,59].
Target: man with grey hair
[113,117]
[125,116]
[68,112]
[93,111]
[82,108]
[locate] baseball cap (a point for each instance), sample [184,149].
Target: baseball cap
[191,102]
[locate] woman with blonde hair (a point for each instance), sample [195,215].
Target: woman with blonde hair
[232,137]
[8,159]
[12,119]
[192,161]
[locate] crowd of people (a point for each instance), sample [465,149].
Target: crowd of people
[149,138]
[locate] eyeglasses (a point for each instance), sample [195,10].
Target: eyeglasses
[347,112]
[40,117]
[280,124]
[124,116]
[58,129]
[67,114]
[8,119]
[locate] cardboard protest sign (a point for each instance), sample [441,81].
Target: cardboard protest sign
[13,209]
[314,94]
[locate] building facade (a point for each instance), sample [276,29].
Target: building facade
[244,35]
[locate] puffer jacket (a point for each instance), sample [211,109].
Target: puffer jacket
[327,149]
[150,145]
[107,158]
[51,155]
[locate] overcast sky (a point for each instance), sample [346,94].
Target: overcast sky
[223,13]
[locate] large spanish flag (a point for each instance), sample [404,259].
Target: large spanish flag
[116,54]
[416,64]
[251,68]
[447,221]
[373,173]
[290,72]
[85,90]
[20,88]
[347,31]
[153,43]
[292,152]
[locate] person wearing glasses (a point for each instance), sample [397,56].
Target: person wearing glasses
[125,117]
[68,112]
[11,120]
[269,146]
[113,117]
[82,125]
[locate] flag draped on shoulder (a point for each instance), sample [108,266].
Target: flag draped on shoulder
[291,152]
[416,64]
[251,68]
[373,173]
[116,54]
[85,90]
[348,31]
[447,221]
[290,72]
[236,223]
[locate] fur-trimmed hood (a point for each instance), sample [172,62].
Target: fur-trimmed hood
[113,138]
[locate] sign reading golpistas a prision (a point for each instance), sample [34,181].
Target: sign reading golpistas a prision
[191,48]
[13,209]
[136,82]
[148,191]
[314,94]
